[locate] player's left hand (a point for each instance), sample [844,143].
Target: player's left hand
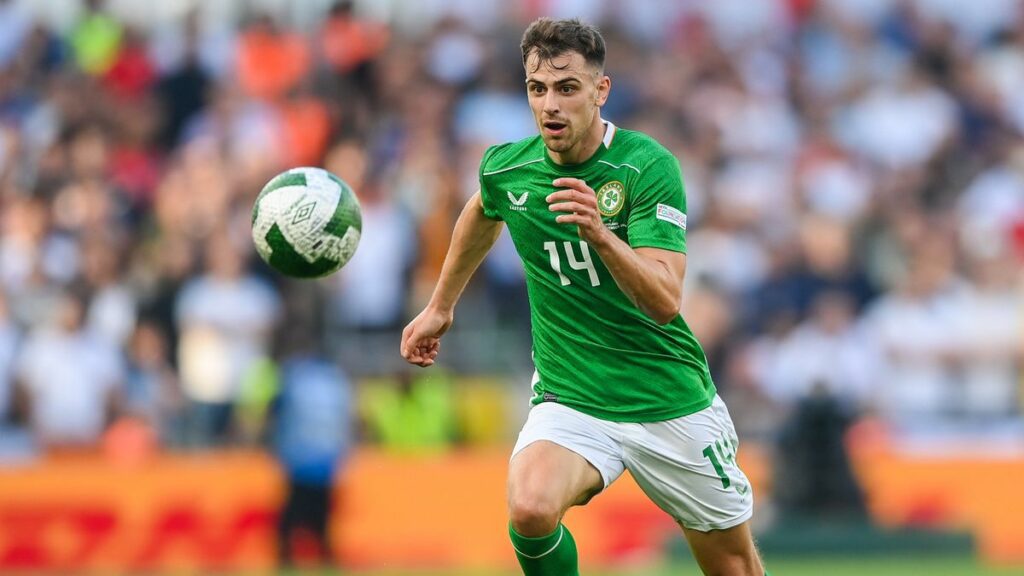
[579,202]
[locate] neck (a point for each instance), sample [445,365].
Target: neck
[583,149]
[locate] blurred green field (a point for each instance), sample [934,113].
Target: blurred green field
[885,566]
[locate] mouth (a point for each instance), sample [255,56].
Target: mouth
[554,128]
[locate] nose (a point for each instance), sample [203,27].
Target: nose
[551,103]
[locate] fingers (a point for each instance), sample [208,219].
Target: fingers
[577,219]
[404,345]
[579,202]
[423,354]
[572,196]
[574,183]
[418,350]
[570,207]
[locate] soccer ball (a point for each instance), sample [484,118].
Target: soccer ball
[306,223]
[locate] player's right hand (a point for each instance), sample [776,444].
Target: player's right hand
[421,339]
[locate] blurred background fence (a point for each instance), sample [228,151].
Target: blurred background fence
[855,183]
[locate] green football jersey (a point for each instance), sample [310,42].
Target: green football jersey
[593,349]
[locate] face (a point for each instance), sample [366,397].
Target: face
[566,95]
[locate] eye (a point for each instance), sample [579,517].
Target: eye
[537,88]
[568,89]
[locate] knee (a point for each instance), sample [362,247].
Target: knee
[533,515]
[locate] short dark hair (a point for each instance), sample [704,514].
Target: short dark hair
[550,38]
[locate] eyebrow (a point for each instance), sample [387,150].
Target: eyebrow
[557,82]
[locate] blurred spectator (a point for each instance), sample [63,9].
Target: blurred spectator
[71,378]
[831,182]
[712,320]
[989,329]
[826,355]
[312,431]
[96,39]
[726,253]
[9,340]
[813,476]
[306,128]
[916,328]
[224,320]
[131,74]
[249,131]
[184,88]
[136,163]
[34,262]
[112,308]
[349,45]
[16,438]
[828,264]
[15,27]
[409,413]
[210,44]
[271,61]
[993,202]
[455,55]
[152,394]
[167,267]
[901,124]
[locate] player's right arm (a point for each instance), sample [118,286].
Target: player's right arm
[472,239]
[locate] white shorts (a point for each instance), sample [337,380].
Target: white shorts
[687,466]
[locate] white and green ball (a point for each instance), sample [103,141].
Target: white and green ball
[306,223]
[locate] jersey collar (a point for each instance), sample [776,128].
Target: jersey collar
[609,133]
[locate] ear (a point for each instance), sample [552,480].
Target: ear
[604,86]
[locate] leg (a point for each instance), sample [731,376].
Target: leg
[688,467]
[728,552]
[544,480]
[286,527]
[315,516]
[562,459]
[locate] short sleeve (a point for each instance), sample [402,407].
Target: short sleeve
[486,195]
[657,207]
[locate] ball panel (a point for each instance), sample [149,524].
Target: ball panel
[346,214]
[289,178]
[341,248]
[286,260]
[272,208]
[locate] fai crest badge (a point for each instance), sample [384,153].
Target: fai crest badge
[611,198]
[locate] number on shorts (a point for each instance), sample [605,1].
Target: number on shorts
[711,454]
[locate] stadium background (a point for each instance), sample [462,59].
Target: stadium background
[855,179]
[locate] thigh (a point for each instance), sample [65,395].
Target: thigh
[564,455]
[687,466]
[550,473]
[730,551]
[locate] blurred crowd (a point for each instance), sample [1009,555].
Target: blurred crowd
[854,172]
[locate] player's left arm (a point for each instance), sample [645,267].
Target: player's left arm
[652,278]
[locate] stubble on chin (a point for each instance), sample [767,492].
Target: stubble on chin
[556,145]
[559,145]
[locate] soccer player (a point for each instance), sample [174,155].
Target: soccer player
[598,216]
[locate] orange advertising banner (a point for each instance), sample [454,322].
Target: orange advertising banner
[217,511]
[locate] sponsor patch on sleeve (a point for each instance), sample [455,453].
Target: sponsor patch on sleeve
[673,215]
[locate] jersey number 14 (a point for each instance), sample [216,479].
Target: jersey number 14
[583,263]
